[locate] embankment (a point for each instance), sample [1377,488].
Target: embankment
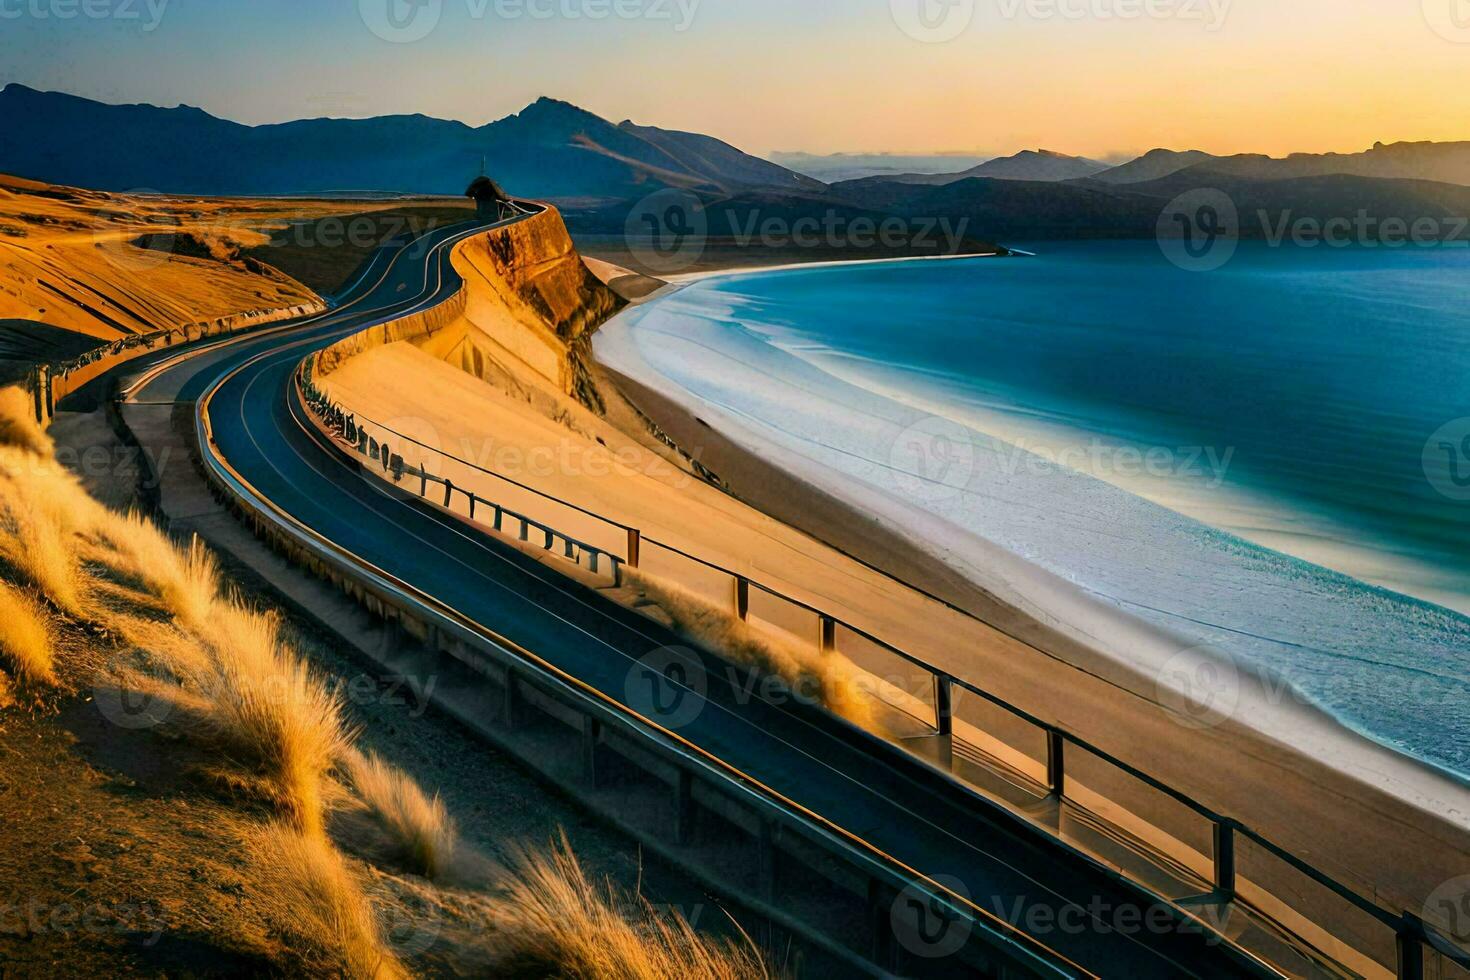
[521,322]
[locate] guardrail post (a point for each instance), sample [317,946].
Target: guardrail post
[591,736]
[510,704]
[635,546]
[742,598]
[944,704]
[880,912]
[1056,763]
[448,492]
[1410,951]
[769,864]
[1225,878]
[827,635]
[683,808]
[423,482]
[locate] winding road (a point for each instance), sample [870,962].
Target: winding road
[1085,913]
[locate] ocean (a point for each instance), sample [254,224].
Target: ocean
[1269,460]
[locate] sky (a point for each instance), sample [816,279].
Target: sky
[1101,78]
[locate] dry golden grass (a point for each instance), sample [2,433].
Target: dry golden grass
[7,695]
[267,704]
[554,922]
[186,581]
[831,678]
[314,901]
[422,831]
[18,426]
[26,639]
[233,682]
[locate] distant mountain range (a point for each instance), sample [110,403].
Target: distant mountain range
[550,149]
[596,169]
[831,167]
[1445,162]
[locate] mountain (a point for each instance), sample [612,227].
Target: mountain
[1039,165]
[1153,165]
[1016,210]
[550,149]
[709,155]
[1444,162]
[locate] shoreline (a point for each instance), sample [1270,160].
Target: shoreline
[1289,759]
[687,278]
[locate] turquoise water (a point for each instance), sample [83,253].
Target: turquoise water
[1274,456]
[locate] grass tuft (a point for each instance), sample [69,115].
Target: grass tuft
[18,425]
[27,643]
[313,899]
[422,831]
[555,922]
[268,704]
[831,678]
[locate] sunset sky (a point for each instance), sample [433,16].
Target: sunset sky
[1269,76]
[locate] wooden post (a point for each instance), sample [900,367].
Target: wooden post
[827,636]
[1410,953]
[742,598]
[635,546]
[1056,764]
[448,492]
[1225,861]
[944,704]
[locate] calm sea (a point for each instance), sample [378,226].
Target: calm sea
[1272,456]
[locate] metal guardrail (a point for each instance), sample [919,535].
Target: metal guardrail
[1009,950]
[1410,934]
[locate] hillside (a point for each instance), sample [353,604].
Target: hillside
[106,266]
[550,149]
[1021,210]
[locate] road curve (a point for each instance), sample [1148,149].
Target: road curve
[872,790]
